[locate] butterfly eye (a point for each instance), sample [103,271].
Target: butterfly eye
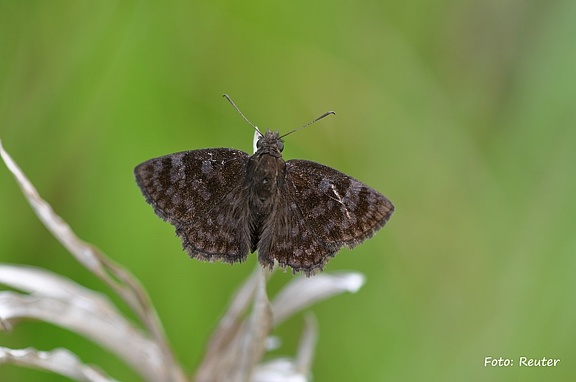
[259,143]
[280,145]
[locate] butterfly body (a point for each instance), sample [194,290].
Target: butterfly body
[264,179]
[225,203]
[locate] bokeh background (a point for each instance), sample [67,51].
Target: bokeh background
[462,112]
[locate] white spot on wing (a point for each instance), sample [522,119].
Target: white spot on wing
[340,200]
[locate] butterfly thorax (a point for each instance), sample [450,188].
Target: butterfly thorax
[265,169]
[264,177]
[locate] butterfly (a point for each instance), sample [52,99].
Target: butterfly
[225,203]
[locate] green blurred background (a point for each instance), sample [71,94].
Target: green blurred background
[462,112]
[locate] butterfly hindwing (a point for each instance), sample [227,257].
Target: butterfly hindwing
[287,238]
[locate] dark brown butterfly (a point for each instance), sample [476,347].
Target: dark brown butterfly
[225,203]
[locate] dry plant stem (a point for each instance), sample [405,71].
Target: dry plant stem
[59,301]
[109,272]
[304,292]
[225,357]
[135,295]
[58,361]
[96,328]
[230,321]
[307,344]
[5,325]
[252,341]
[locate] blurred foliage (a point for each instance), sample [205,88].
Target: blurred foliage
[461,112]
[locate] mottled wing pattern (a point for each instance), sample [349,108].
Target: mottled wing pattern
[203,194]
[334,210]
[289,239]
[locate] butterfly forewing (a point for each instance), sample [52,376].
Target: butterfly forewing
[199,193]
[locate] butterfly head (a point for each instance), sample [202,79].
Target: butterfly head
[270,143]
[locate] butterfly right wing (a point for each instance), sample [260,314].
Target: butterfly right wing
[203,194]
[319,211]
[339,209]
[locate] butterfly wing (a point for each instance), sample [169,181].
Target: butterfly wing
[289,239]
[202,193]
[323,210]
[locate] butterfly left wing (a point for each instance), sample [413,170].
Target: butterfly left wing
[201,193]
[332,208]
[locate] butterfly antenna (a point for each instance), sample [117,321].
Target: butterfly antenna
[239,112]
[309,123]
